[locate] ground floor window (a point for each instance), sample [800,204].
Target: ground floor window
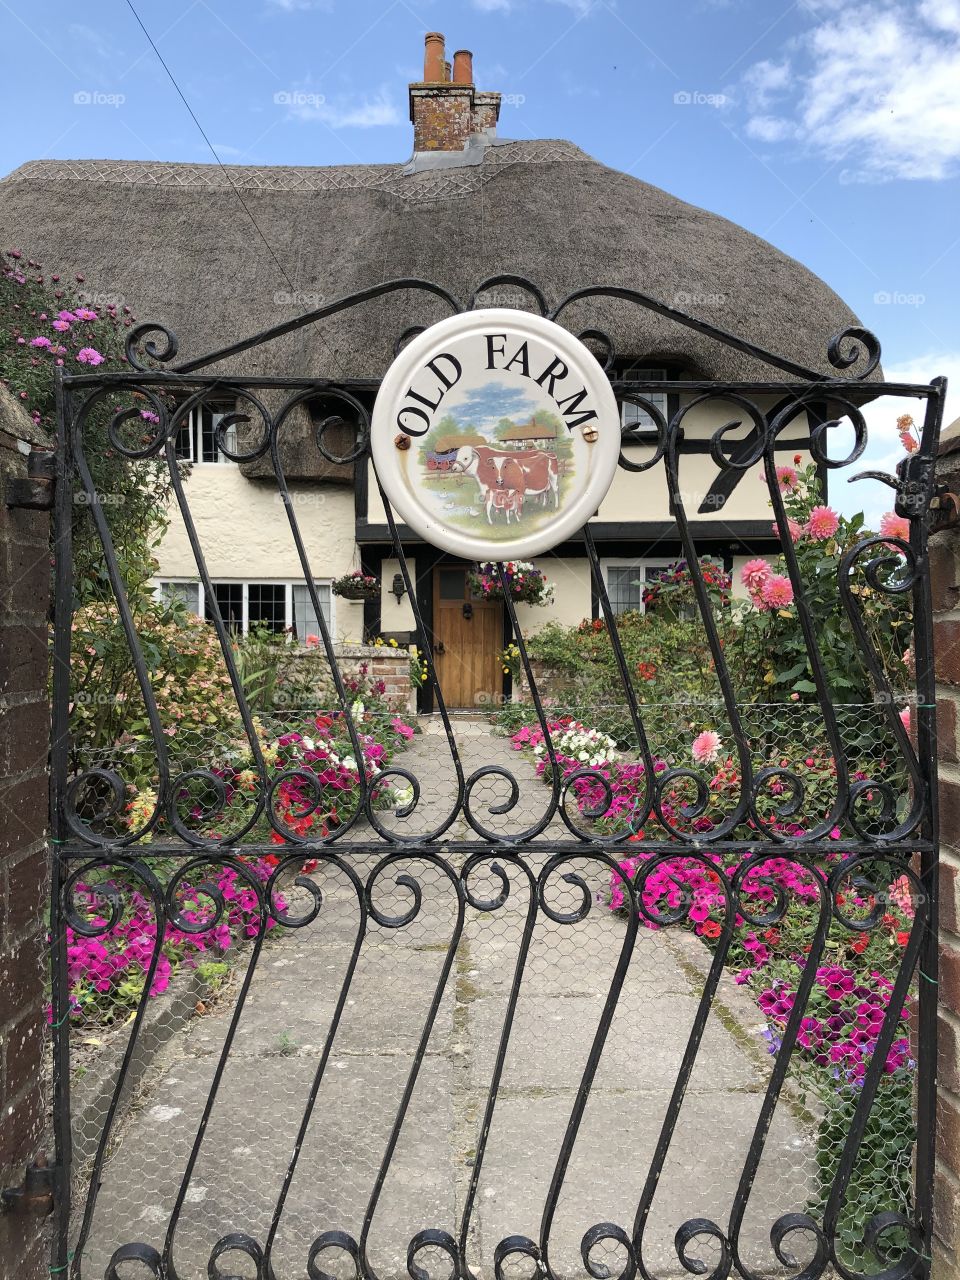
[279,606]
[626,579]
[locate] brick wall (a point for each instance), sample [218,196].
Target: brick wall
[445,115]
[392,666]
[945,584]
[24,733]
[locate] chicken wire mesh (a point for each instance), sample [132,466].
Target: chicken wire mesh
[341,1052]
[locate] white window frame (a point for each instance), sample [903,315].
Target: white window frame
[194,428]
[245,583]
[644,373]
[640,563]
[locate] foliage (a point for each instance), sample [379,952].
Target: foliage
[525,582]
[671,594]
[882,1175]
[510,660]
[419,669]
[184,663]
[666,659]
[45,325]
[766,648]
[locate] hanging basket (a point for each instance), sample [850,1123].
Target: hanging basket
[356,586]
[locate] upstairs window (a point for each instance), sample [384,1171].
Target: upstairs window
[632,417]
[197,435]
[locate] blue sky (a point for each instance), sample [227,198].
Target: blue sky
[831,130]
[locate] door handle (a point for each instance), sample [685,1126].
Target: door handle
[438,647]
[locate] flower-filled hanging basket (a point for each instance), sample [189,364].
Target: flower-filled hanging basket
[525,582]
[356,586]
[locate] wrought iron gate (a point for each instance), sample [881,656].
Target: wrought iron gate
[533,1000]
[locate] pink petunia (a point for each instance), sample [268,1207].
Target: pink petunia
[894,526]
[89,355]
[777,592]
[706,747]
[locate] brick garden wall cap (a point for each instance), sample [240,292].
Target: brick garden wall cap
[16,424]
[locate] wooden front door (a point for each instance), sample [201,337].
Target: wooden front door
[468,638]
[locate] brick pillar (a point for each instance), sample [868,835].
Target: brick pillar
[945,584]
[24,735]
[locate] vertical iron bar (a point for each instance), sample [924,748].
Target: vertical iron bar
[930,830]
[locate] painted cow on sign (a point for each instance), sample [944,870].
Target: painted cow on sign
[485,465]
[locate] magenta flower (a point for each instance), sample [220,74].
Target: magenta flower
[89,355]
[61,326]
[84,313]
[40,341]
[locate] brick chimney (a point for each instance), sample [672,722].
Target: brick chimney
[446,111]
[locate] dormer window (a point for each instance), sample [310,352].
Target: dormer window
[197,435]
[633,417]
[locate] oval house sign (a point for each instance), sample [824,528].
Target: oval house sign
[495,434]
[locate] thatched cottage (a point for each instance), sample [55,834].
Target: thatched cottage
[469,205]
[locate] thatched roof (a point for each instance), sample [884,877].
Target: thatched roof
[173,240]
[530,431]
[446,444]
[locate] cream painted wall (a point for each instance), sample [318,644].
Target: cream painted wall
[394,616]
[245,535]
[571,598]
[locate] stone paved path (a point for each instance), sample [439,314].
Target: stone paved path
[281,1033]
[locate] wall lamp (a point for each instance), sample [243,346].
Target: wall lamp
[398,588]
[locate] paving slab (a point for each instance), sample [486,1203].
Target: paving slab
[267,1080]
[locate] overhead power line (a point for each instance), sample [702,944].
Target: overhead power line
[193,115]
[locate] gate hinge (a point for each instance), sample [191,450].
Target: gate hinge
[34,1196]
[944,509]
[914,476]
[34,491]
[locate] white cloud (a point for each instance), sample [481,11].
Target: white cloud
[883,450]
[295,6]
[877,86]
[345,113]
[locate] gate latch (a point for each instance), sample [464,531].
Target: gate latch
[34,1196]
[34,491]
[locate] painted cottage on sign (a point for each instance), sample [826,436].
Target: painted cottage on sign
[469,207]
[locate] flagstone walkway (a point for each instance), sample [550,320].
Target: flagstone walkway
[279,1042]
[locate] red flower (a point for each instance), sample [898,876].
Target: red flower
[903,937]
[861,944]
[710,929]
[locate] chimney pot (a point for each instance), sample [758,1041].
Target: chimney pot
[463,67]
[433,63]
